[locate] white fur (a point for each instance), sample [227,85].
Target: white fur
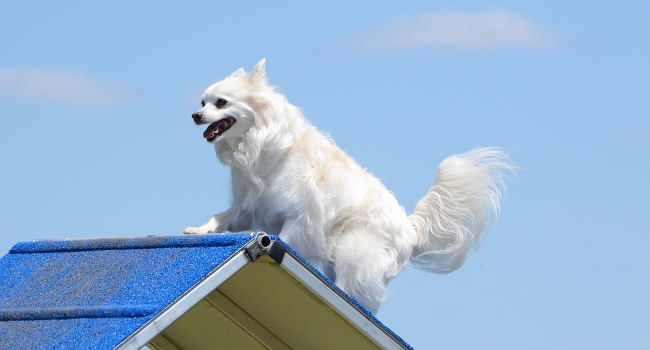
[291,180]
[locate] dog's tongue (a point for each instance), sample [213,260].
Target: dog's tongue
[212,130]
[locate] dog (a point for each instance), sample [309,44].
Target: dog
[293,181]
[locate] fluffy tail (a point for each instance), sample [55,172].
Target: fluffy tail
[464,200]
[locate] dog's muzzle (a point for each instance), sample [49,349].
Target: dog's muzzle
[197,116]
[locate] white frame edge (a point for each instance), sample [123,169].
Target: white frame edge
[337,302]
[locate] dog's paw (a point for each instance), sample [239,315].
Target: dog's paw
[196,231]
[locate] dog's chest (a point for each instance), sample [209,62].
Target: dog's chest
[281,194]
[263,216]
[264,208]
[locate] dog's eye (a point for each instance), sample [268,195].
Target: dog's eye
[220,102]
[202,103]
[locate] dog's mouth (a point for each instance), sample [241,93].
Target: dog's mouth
[217,128]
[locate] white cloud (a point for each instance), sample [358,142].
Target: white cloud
[60,86]
[491,29]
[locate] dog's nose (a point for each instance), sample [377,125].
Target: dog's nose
[197,117]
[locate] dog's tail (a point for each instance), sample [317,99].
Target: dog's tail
[463,201]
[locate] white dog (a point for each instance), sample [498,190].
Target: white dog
[291,180]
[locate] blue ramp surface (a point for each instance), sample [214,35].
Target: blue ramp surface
[94,293]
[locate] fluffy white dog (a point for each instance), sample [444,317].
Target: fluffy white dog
[291,180]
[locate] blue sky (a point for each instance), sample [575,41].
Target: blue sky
[97,139]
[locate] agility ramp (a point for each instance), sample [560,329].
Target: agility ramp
[233,291]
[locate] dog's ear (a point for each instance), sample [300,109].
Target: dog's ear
[258,75]
[239,73]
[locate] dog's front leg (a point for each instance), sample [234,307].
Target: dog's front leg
[218,223]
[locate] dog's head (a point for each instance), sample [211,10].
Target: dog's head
[229,106]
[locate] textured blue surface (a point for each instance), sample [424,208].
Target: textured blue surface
[97,292]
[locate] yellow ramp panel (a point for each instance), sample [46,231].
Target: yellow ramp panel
[262,306]
[290,310]
[205,327]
